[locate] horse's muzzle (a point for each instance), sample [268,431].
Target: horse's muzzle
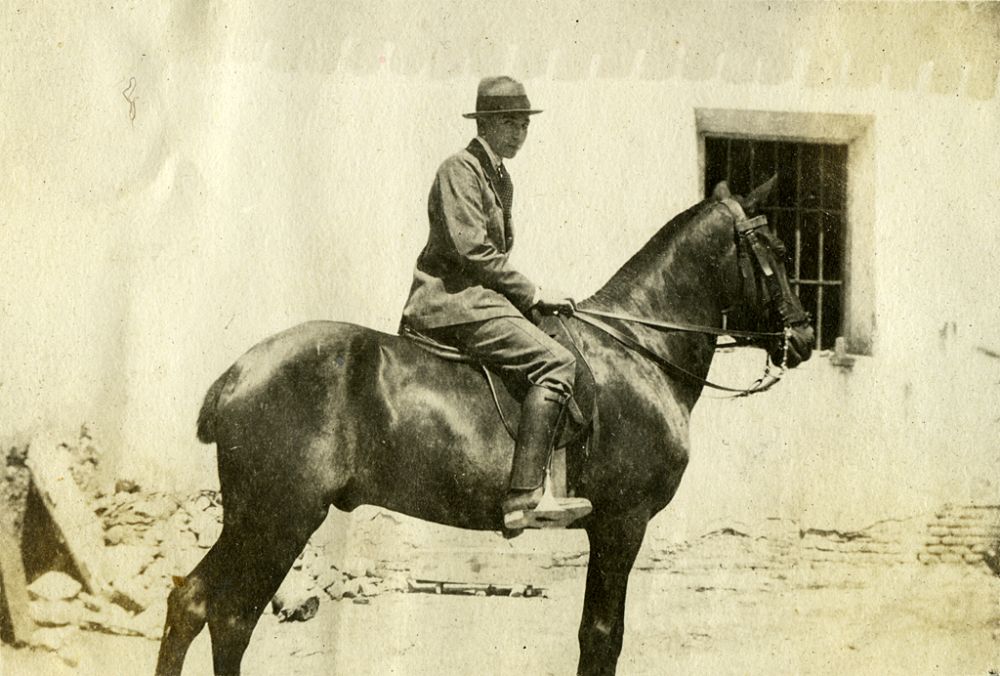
[798,346]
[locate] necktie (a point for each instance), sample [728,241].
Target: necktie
[506,190]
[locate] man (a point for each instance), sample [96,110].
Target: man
[466,294]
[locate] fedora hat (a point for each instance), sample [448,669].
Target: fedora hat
[501,95]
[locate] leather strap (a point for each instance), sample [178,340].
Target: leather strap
[673,369]
[679,326]
[496,401]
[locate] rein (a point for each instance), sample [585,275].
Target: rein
[764,383]
[680,326]
[749,243]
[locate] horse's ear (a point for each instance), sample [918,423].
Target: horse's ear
[721,191]
[759,194]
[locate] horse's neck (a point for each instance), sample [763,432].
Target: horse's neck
[677,277]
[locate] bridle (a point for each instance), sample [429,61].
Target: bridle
[755,248]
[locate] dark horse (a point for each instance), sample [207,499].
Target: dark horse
[329,413]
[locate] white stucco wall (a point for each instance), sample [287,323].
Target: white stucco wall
[140,258]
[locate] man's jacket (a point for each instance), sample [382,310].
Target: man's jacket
[462,275]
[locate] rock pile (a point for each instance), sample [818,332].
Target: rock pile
[313,576]
[154,537]
[157,537]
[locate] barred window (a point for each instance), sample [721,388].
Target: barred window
[807,207]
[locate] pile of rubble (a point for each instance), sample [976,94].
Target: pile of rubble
[59,606]
[154,537]
[157,537]
[313,577]
[106,559]
[139,544]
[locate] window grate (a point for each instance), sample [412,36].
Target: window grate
[807,209]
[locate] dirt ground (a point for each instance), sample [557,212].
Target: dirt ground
[686,615]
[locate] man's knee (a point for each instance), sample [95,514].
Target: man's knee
[560,371]
[563,357]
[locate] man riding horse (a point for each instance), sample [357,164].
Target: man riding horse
[465,293]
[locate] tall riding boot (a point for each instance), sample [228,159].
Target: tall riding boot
[541,414]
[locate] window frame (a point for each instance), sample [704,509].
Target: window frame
[854,131]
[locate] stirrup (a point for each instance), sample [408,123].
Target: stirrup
[550,512]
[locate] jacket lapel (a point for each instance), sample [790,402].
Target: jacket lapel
[479,152]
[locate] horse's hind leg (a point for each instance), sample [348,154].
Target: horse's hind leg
[264,549]
[186,612]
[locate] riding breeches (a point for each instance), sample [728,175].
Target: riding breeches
[514,344]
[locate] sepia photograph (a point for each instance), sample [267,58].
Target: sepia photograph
[543,337]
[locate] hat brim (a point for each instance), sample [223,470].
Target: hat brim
[493,113]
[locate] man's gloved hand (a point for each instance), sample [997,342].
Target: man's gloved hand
[550,302]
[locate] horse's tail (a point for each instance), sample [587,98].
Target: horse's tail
[207,415]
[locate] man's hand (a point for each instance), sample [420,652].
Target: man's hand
[552,302]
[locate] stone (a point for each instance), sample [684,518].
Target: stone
[115,535]
[126,486]
[156,506]
[179,519]
[92,603]
[54,586]
[57,640]
[150,621]
[206,528]
[336,590]
[131,560]
[57,613]
[326,576]
[102,504]
[139,593]
[292,607]
[296,599]
[202,503]
[360,567]
[396,582]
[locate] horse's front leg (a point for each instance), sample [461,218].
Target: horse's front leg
[614,543]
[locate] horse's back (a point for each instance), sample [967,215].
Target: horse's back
[344,414]
[323,366]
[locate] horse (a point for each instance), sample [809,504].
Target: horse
[329,413]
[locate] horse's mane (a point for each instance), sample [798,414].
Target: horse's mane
[617,288]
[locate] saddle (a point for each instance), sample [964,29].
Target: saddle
[580,425]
